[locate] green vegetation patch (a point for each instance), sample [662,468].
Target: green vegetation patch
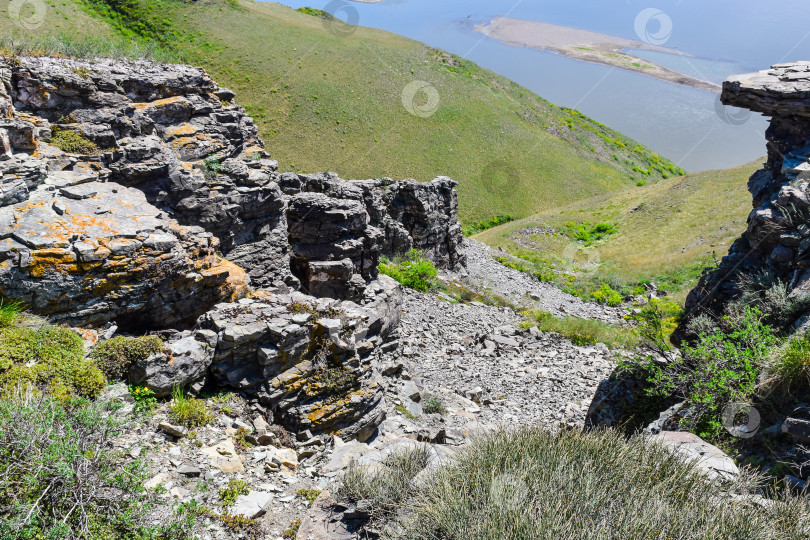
[49,359]
[231,492]
[189,411]
[73,142]
[486,224]
[412,270]
[585,331]
[115,356]
[534,483]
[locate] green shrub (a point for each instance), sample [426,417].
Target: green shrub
[606,295]
[60,477]
[720,368]
[433,405]
[415,271]
[50,359]
[231,492]
[659,319]
[589,234]
[116,355]
[212,165]
[309,494]
[594,485]
[188,411]
[73,142]
[316,13]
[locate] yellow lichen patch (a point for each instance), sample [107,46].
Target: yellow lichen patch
[28,206]
[182,131]
[234,282]
[52,260]
[159,103]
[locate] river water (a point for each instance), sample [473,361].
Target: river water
[686,125]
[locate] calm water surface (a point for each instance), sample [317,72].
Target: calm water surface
[684,124]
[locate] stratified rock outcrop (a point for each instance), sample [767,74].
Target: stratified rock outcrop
[778,235]
[138,194]
[174,135]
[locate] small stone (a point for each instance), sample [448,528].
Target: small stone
[189,470]
[252,505]
[174,431]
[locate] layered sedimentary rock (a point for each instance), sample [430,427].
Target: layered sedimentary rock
[174,135]
[777,240]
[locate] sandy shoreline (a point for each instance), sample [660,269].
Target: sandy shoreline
[588,47]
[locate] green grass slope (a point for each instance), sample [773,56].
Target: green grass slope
[333,99]
[664,231]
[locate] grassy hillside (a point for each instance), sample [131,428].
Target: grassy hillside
[663,231]
[327,100]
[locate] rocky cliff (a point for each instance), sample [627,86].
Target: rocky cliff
[775,249]
[138,194]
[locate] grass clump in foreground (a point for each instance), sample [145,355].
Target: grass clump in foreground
[534,484]
[412,270]
[189,411]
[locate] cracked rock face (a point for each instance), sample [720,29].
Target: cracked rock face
[308,359]
[778,234]
[174,135]
[95,252]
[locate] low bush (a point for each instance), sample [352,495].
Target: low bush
[589,234]
[385,487]
[50,359]
[433,405]
[659,319]
[413,271]
[719,368]
[60,477]
[189,411]
[116,355]
[606,295]
[73,142]
[789,368]
[231,492]
[542,485]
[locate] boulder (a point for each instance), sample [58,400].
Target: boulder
[709,459]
